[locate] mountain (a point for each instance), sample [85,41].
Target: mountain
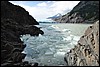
[83,12]
[55,16]
[15,21]
[16,12]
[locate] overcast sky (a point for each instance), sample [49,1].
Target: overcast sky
[41,10]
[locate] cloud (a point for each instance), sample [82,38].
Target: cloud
[18,2]
[45,9]
[61,6]
[42,4]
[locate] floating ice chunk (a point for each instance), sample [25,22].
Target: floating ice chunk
[48,52]
[49,28]
[59,54]
[41,38]
[24,52]
[66,30]
[38,26]
[64,39]
[68,50]
[55,27]
[25,37]
[49,61]
[67,38]
[52,49]
[27,59]
[76,38]
[62,50]
[40,35]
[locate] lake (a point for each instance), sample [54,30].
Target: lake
[49,49]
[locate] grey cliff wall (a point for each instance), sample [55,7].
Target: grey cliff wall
[86,53]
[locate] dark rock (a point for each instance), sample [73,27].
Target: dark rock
[25,62]
[65,60]
[91,27]
[10,61]
[35,64]
[17,57]
[17,64]
[15,21]
[30,29]
[19,45]
[16,13]
[6,64]
[17,50]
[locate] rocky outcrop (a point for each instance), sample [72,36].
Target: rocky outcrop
[86,53]
[15,21]
[83,12]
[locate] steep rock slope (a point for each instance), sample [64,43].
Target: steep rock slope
[83,12]
[17,13]
[15,21]
[86,53]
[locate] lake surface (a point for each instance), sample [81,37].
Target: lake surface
[49,49]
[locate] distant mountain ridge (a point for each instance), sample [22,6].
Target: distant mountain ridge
[55,16]
[83,12]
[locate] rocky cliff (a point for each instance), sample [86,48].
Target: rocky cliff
[17,13]
[83,12]
[15,21]
[86,53]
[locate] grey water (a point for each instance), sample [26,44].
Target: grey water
[49,49]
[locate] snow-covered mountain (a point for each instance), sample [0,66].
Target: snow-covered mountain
[55,16]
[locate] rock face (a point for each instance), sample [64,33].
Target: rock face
[15,21]
[86,53]
[83,12]
[16,13]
